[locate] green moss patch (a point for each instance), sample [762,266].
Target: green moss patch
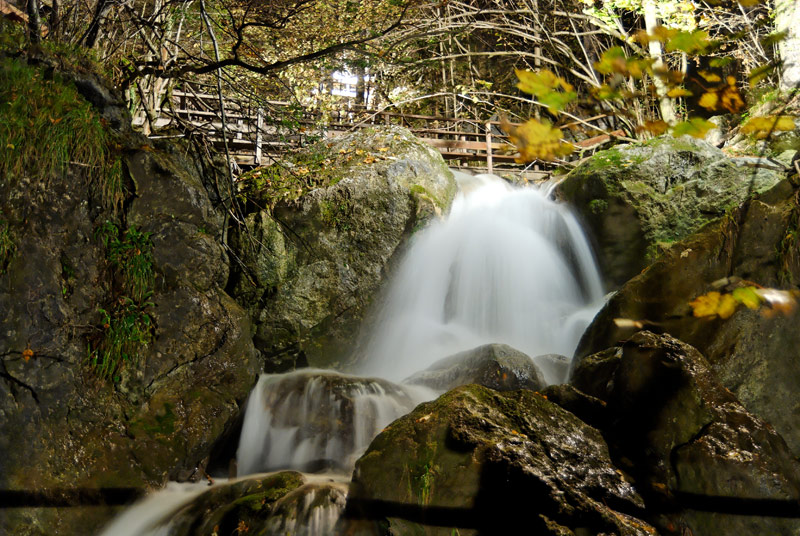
[46,127]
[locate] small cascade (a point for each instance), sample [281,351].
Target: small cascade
[151,516]
[310,420]
[508,265]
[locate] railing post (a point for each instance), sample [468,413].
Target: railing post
[259,136]
[488,147]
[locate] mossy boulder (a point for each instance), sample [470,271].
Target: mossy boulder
[476,459]
[637,200]
[312,264]
[698,456]
[281,503]
[497,366]
[178,381]
[754,355]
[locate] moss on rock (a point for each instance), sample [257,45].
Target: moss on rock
[638,199]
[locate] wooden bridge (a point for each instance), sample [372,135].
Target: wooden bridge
[259,134]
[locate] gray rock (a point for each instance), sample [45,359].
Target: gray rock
[311,268]
[61,426]
[637,200]
[753,355]
[478,459]
[691,444]
[497,366]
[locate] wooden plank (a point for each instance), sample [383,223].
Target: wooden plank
[468,145]
[12,13]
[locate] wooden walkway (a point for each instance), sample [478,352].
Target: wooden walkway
[260,135]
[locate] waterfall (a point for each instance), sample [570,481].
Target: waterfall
[508,265]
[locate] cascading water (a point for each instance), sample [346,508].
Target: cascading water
[316,419]
[508,265]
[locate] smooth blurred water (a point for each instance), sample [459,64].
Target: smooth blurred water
[311,420]
[508,265]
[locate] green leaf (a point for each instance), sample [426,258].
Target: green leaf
[748,297]
[697,127]
[695,42]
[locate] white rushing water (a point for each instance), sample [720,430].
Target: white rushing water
[151,515]
[508,265]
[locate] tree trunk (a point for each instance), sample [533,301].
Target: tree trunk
[93,33]
[787,18]
[34,21]
[665,104]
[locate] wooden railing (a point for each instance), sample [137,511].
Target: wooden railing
[259,134]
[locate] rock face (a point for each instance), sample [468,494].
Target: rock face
[753,355]
[496,366]
[691,445]
[477,459]
[312,267]
[63,426]
[638,199]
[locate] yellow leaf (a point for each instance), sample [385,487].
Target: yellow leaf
[656,128]
[541,82]
[537,141]
[710,76]
[676,92]
[27,354]
[727,306]
[705,305]
[709,101]
[762,127]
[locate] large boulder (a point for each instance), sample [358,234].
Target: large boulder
[638,199]
[697,454]
[478,459]
[310,267]
[497,366]
[186,360]
[754,355]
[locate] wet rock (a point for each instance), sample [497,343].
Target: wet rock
[639,199]
[753,355]
[477,459]
[497,366]
[311,268]
[594,373]
[281,503]
[692,446]
[591,410]
[62,426]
